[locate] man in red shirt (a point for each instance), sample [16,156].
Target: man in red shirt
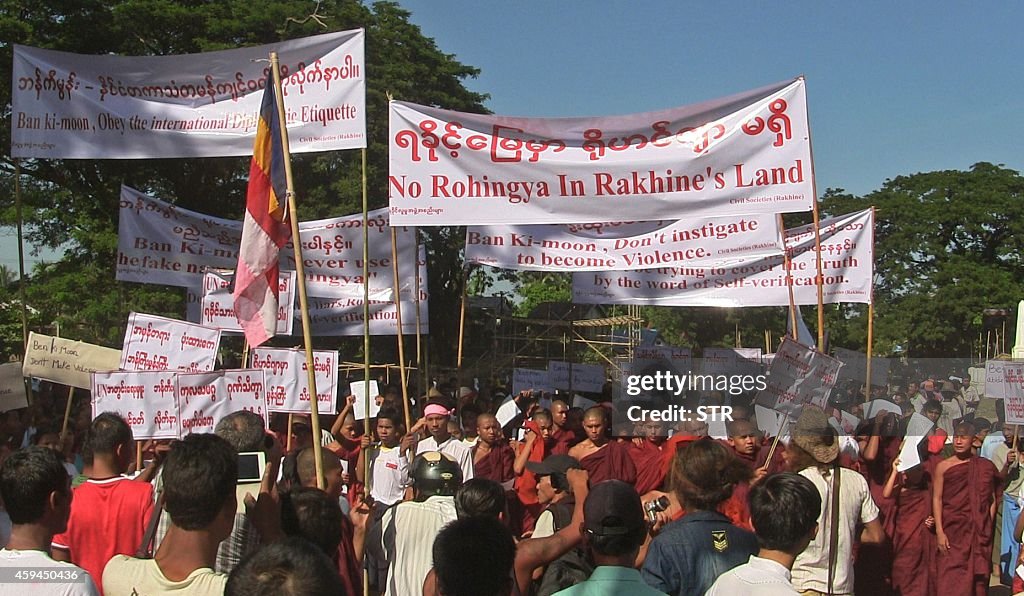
[109,512]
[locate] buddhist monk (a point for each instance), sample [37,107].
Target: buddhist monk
[645,450]
[563,437]
[492,456]
[601,458]
[913,544]
[963,504]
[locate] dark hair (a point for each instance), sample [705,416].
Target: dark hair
[199,475]
[392,415]
[106,433]
[618,544]
[707,473]
[784,508]
[291,567]
[27,478]
[480,497]
[931,405]
[243,430]
[474,557]
[981,424]
[312,514]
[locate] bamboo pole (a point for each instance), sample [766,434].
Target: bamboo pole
[293,218]
[462,326]
[820,279]
[871,317]
[67,415]
[21,257]
[401,330]
[775,443]
[421,372]
[787,263]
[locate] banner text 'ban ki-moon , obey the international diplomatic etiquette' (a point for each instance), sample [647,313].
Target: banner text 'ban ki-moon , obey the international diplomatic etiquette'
[742,154]
[199,105]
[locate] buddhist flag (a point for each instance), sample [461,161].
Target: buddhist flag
[264,231]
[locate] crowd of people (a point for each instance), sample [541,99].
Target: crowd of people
[548,501]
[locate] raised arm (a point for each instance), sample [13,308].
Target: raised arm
[524,452]
[893,481]
[535,552]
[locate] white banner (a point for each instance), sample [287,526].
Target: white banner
[1004,379]
[730,361]
[204,398]
[67,361]
[846,261]
[218,310]
[995,378]
[746,153]
[625,245]
[344,316]
[798,375]
[200,105]
[12,387]
[160,243]
[146,400]
[287,380]
[586,378]
[157,343]
[366,397]
[528,379]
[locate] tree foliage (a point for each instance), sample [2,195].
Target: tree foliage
[73,203]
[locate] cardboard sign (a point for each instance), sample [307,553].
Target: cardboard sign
[67,361]
[205,398]
[12,387]
[158,343]
[588,378]
[218,310]
[528,379]
[798,375]
[287,379]
[146,400]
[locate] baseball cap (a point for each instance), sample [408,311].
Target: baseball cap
[553,464]
[612,508]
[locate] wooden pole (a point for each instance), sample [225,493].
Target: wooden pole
[1016,431]
[288,438]
[820,279]
[21,255]
[775,443]
[421,372]
[871,315]
[245,354]
[293,218]
[462,325]
[787,263]
[138,456]
[67,415]
[401,331]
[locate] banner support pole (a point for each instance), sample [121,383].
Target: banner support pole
[293,218]
[820,280]
[401,327]
[21,256]
[787,263]
[421,372]
[67,415]
[462,326]
[871,316]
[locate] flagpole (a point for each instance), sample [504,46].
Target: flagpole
[871,312]
[21,256]
[462,326]
[293,219]
[401,327]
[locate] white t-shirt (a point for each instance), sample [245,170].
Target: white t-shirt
[453,447]
[37,559]
[762,577]
[128,576]
[389,474]
[810,571]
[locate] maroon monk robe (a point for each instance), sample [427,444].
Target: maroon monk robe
[967,493]
[873,567]
[497,465]
[611,462]
[913,544]
[562,440]
[647,461]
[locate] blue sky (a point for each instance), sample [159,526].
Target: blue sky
[892,87]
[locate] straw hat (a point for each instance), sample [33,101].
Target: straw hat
[434,393]
[816,436]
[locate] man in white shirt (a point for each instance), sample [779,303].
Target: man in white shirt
[784,510]
[436,415]
[37,493]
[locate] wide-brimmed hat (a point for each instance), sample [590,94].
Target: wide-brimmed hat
[815,435]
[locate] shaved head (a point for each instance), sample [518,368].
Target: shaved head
[596,412]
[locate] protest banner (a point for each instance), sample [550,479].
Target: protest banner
[147,400]
[769,422]
[79,106]
[160,243]
[731,361]
[66,361]
[204,398]
[855,367]
[508,410]
[12,387]
[366,397]
[528,379]
[158,343]
[625,245]
[588,378]
[996,371]
[1012,390]
[798,375]
[847,270]
[218,309]
[746,153]
[287,387]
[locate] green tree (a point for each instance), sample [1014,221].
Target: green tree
[947,246]
[74,202]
